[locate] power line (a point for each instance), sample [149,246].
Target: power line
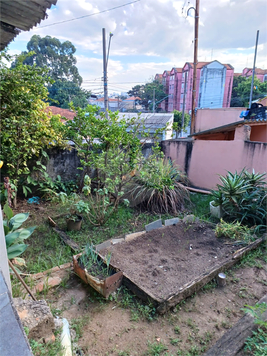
[95,13]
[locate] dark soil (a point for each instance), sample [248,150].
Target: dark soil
[162,261]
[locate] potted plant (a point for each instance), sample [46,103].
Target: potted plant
[216,204]
[95,270]
[74,218]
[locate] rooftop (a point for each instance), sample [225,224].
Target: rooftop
[20,15]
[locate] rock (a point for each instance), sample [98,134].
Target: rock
[37,317]
[190,219]
[132,236]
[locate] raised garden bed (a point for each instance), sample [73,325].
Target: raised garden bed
[105,285]
[166,265]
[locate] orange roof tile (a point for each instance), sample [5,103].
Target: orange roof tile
[69,115]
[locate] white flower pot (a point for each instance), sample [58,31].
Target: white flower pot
[216,211]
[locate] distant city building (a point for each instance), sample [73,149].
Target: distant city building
[213,86]
[131,103]
[261,74]
[113,104]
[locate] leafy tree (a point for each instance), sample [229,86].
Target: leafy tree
[242,87]
[62,92]
[111,148]
[26,129]
[145,92]
[177,125]
[137,90]
[58,57]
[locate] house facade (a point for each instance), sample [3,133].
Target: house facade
[213,86]
[175,84]
[261,74]
[165,83]
[113,104]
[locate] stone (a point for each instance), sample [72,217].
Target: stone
[36,317]
[47,283]
[104,245]
[132,236]
[173,221]
[154,225]
[116,241]
[190,219]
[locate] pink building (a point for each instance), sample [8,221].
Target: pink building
[261,74]
[214,85]
[175,89]
[165,82]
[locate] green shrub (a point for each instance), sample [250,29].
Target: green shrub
[158,186]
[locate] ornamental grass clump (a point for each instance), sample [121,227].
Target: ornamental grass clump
[158,186]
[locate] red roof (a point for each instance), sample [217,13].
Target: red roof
[66,113]
[202,64]
[133,98]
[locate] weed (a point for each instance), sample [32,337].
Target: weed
[175,341]
[72,300]
[177,330]
[156,349]
[77,324]
[212,284]
[49,349]
[256,345]
[226,325]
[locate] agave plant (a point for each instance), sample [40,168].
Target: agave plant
[243,197]
[14,235]
[158,186]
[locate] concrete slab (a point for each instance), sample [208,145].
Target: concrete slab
[132,236]
[102,246]
[13,341]
[172,221]
[154,225]
[37,317]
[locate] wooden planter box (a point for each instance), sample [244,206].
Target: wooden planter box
[103,286]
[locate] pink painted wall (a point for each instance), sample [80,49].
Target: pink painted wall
[228,86]
[210,118]
[258,133]
[204,160]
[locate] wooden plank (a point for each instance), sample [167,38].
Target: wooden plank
[67,240]
[233,340]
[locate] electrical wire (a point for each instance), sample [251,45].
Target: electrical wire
[95,13]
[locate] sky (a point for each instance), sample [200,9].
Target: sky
[150,36]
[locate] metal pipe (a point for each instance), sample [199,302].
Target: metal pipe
[253,71]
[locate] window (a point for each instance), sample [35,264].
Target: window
[182,85]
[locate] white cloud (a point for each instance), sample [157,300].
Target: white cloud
[154,31]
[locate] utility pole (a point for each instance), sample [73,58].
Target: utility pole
[185,84]
[192,129]
[253,71]
[153,100]
[105,72]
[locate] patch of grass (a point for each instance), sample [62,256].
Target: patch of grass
[211,285]
[177,329]
[201,205]
[49,349]
[139,310]
[77,324]
[155,349]
[175,341]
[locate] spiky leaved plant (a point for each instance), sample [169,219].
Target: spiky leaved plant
[158,186]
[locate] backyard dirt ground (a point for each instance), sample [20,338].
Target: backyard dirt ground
[116,328]
[125,326]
